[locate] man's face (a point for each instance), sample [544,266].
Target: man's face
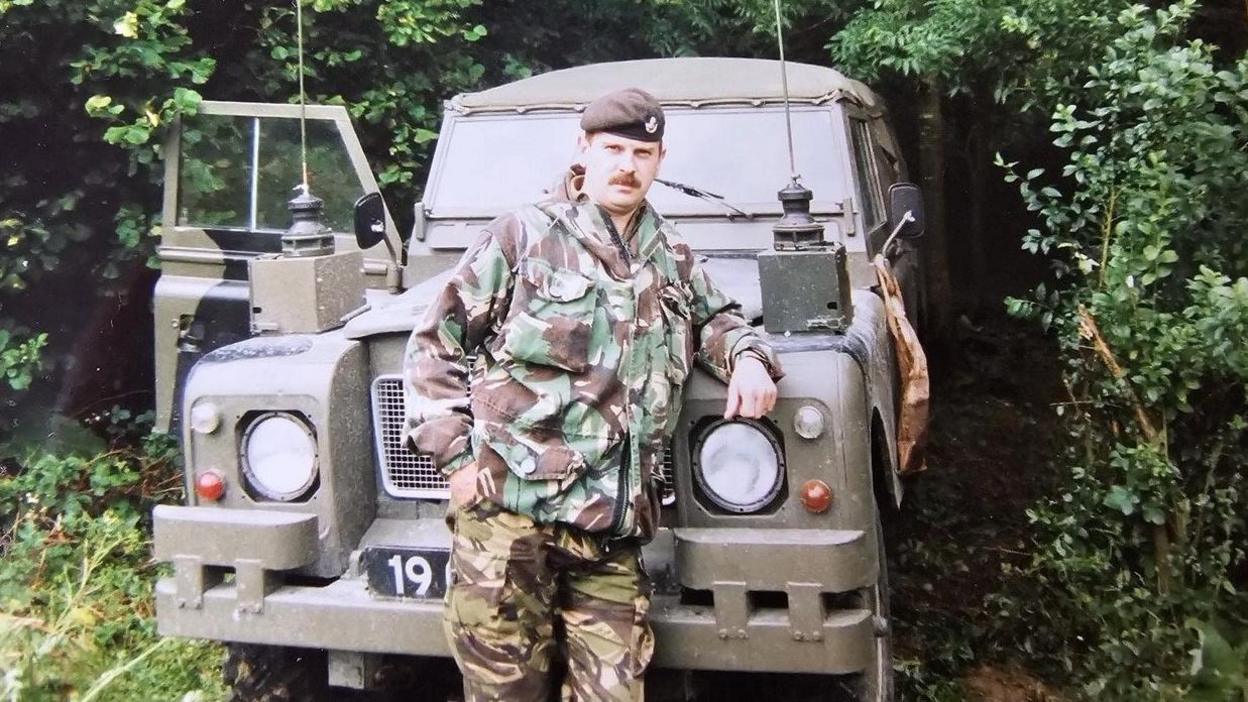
[618,170]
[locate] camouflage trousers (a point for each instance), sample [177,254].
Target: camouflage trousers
[517,583]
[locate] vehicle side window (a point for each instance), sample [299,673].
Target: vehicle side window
[214,188]
[238,172]
[867,173]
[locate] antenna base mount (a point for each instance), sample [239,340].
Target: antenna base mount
[796,229]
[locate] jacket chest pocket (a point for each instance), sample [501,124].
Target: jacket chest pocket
[552,317]
[674,305]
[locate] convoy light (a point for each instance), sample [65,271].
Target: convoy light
[205,418]
[816,496]
[209,485]
[738,466]
[808,422]
[279,456]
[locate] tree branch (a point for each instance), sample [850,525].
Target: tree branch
[1090,331]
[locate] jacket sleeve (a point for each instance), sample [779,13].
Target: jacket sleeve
[721,332]
[435,371]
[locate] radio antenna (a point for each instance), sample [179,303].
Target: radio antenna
[307,235]
[796,229]
[303,102]
[784,80]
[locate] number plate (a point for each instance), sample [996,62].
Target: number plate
[394,571]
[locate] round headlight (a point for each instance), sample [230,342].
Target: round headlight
[279,456]
[738,466]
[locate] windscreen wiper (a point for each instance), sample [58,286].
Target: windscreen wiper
[703,194]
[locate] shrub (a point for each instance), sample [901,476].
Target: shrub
[1145,231]
[76,580]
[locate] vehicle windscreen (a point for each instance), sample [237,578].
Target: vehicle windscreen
[493,163]
[237,172]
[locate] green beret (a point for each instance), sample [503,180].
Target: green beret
[631,113]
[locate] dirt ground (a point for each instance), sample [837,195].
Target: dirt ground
[989,684]
[964,522]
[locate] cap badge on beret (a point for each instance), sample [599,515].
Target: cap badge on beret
[652,125]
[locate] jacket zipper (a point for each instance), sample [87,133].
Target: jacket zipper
[621,496]
[620,511]
[615,237]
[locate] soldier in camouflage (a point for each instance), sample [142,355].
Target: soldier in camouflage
[587,311]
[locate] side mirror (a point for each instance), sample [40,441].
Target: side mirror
[903,199]
[370,220]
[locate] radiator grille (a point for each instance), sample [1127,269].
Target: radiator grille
[403,472]
[408,474]
[667,479]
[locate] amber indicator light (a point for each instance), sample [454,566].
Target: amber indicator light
[210,485]
[816,496]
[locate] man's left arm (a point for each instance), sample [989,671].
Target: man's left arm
[731,350]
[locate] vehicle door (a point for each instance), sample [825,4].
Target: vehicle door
[229,172]
[877,166]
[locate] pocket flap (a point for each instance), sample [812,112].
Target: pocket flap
[558,284]
[534,461]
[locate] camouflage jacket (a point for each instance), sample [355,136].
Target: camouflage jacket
[583,353]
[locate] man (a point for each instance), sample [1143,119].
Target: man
[586,312]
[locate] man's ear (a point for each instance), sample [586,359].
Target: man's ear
[582,144]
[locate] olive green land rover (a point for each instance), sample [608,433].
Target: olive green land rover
[313,541]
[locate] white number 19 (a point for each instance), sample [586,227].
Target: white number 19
[417,570]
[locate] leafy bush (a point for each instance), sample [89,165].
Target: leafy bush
[76,580]
[1145,230]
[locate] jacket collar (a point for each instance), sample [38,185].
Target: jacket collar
[589,224]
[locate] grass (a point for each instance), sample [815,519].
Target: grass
[76,579]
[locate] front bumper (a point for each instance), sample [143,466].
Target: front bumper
[734,632]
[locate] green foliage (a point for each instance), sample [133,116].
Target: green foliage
[1009,52]
[425,22]
[916,38]
[20,360]
[1220,665]
[82,79]
[1144,231]
[76,578]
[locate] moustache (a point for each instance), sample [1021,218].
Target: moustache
[627,179]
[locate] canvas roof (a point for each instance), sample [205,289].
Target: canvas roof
[693,81]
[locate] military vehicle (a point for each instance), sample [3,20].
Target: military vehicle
[313,541]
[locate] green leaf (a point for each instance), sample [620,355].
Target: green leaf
[96,103]
[1121,499]
[127,26]
[116,135]
[186,100]
[19,379]
[137,134]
